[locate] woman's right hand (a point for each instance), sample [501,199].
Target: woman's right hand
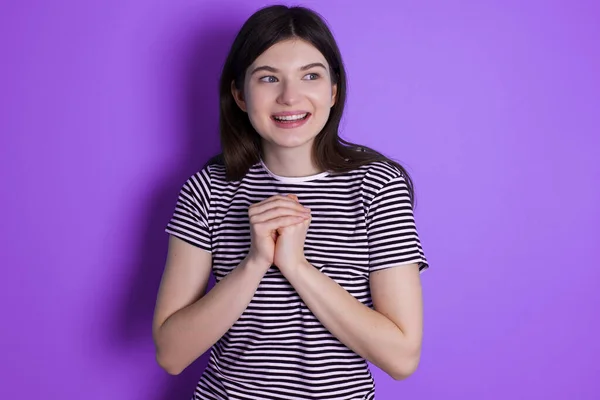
[266,217]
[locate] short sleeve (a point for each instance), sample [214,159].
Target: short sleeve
[391,229]
[189,220]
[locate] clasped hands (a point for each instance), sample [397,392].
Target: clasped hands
[278,227]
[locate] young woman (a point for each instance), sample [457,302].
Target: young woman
[311,239]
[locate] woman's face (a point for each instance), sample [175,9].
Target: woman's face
[288,94]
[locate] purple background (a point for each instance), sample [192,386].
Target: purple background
[106,107]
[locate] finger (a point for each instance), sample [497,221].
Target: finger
[280,222]
[267,201]
[280,202]
[278,212]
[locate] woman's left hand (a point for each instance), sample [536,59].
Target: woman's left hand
[289,246]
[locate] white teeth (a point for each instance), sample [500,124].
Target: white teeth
[290,117]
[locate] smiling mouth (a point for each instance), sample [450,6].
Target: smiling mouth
[290,118]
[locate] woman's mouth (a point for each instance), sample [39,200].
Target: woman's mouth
[290,120]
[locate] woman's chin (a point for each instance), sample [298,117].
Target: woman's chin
[291,143]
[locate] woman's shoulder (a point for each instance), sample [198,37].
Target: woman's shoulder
[216,160]
[379,170]
[213,169]
[204,178]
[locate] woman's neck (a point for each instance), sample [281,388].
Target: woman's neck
[292,162]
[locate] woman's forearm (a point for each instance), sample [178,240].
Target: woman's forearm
[191,331]
[367,332]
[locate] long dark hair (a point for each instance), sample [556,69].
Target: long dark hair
[240,143]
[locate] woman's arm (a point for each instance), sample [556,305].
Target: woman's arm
[187,322]
[388,336]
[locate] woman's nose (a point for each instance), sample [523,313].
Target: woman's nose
[289,94]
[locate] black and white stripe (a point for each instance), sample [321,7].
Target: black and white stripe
[362,221]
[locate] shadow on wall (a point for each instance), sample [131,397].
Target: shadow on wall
[199,139]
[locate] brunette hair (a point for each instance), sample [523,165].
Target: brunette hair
[240,143]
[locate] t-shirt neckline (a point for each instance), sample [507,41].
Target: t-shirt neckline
[293,179]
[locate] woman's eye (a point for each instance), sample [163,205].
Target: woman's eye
[312,76]
[268,79]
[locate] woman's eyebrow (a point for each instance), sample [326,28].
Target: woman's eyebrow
[275,70]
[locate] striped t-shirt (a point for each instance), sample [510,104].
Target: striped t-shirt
[362,221]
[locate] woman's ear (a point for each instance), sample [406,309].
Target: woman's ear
[333,94]
[238,96]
